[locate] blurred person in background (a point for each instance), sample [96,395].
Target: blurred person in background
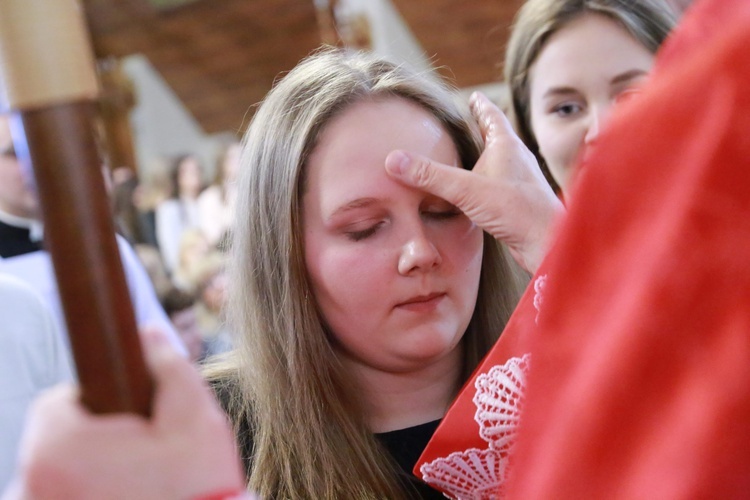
[180,306]
[216,202]
[180,211]
[209,279]
[22,252]
[194,247]
[568,63]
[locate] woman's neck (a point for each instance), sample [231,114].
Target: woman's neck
[395,401]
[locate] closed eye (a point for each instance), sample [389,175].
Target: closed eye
[364,233]
[442,214]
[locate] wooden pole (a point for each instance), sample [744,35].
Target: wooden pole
[48,84]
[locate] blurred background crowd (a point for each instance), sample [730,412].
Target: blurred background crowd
[179,225]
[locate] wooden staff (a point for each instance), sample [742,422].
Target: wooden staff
[48,84]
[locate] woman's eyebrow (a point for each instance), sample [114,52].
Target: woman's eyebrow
[627,76]
[353,205]
[559,91]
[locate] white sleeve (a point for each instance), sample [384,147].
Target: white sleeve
[32,358]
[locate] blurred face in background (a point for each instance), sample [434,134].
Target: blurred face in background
[190,178]
[232,162]
[16,196]
[582,71]
[186,324]
[214,292]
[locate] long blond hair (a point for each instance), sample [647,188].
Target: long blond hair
[309,434]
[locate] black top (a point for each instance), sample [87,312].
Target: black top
[16,241]
[404,445]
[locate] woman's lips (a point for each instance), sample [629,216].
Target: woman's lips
[422,303]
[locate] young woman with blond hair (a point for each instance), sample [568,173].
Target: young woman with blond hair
[361,305]
[568,62]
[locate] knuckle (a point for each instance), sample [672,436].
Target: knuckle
[423,173]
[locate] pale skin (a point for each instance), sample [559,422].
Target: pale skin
[16,197]
[584,69]
[395,271]
[505,193]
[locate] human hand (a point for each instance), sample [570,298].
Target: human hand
[185,451]
[505,194]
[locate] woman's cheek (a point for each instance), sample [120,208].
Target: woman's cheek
[354,266]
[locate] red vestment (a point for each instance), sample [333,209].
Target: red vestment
[639,377]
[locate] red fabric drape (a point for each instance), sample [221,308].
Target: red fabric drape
[639,379]
[640,386]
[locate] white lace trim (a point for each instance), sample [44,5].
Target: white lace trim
[477,474]
[499,399]
[472,474]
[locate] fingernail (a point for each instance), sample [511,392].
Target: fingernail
[397,162]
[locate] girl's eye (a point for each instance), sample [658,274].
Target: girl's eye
[566,109]
[364,233]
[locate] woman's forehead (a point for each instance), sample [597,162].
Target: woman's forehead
[349,160]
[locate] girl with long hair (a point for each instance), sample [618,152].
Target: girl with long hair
[361,305]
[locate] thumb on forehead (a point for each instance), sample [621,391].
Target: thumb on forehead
[450,183]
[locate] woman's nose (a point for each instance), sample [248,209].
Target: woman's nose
[598,118]
[419,254]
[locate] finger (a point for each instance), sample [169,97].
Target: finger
[187,412]
[493,124]
[63,401]
[453,184]
[51,415]
[179,386]
[159,354]
[58,395]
